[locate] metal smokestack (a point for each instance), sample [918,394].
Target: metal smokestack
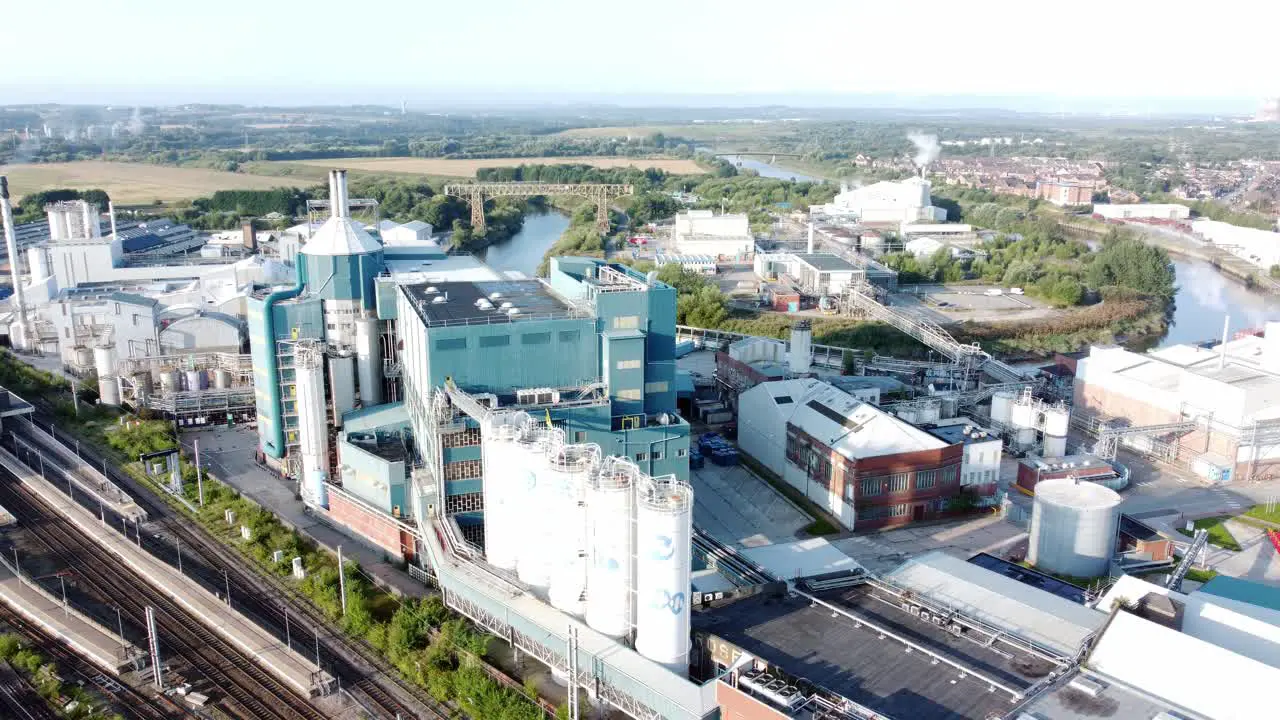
[338,201]
[810,250]
[11,244]
[111,211]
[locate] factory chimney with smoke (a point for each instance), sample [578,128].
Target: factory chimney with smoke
[927,150]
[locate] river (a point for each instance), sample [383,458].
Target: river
[767,170]
[524,250]
[1205,295]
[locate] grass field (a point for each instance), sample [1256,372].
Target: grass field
[467,168]
[131,183]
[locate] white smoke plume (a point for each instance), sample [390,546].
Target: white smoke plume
[927,148]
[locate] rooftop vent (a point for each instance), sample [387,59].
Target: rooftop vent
[495,296]
[438,300]
[508,304]
[484,304]
[513,311]
[1092,688]
[432,290]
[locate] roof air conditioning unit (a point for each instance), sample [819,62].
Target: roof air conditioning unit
[1089,687]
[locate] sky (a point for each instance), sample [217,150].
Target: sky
[1117,53]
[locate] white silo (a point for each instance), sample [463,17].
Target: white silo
[610,546]
[1054,446]
[104,362]
[1073,527]
[1002,407]
[313,430]
[1056,421]
[569,469]
[800,355]
[503,478]
[664,530]
[533,520]
[369,361]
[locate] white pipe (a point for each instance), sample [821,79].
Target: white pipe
[338,195]
[111,211]
[810,237]
[1222,349]
[11,245]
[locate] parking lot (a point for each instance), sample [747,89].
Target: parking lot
[956,303]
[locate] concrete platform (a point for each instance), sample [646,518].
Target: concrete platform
[77,631]
[87,478]
[299,672]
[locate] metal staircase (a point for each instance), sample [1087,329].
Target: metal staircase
[1179,573]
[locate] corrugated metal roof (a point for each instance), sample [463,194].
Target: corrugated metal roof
[340,236]
[1030,613]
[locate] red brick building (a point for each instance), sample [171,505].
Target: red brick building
[1064,193]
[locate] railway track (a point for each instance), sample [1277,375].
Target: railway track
[134,703]
[19,700]
[251,692]
[366,676]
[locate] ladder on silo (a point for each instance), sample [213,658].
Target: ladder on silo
[1198,544]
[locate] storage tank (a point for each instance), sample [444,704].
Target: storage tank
[611,540]
[569,468]
[369,361]
[342,385]
[104,362]
[503,486]
[38,262]
[532,523]
[1024,437]
[664,529]
[84,356]
[1024,412]
[800,354]
[168,382]
[908,414]
[1073,527]
[313,431]
[929,412]
[1002,407]
[950,407]
[1054,446]
[143,384]
[1056,420]
[197,380]
[222,379]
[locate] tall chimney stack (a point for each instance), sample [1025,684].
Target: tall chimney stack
[338,202]
[21,339]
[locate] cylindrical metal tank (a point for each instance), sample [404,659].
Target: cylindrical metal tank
[143,384]
[1056,420]
[664,530]
[222,379]
[84,356]
[929,412]
[104,362]
[800,354]
[502,486]
[369,361]
[610,543]
[313,430]
[168,382]
[342,385]
[908,414]
[1054,446]
[1024,437]
[1073,527]
[533,523]
[197,380]
[569,469]
[949,408]
[1002,407]
[1024,414]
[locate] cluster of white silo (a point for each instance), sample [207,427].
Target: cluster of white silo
[592,535]
[1026,417]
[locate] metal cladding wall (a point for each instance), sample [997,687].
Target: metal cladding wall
[664,530]
[503,490]
[533,521]
[1073,528]
[503,356]
[342,383]
[342,277]
[611,543]
[292,320]
[570,467]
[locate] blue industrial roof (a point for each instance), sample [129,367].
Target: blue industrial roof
[375,417]
[1245,591]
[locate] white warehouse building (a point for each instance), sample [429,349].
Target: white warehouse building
[907,201]
[1259,247]
[1143,211]
[702,232]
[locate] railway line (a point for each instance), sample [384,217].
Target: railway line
[251,692]
[138,704]
[365,675]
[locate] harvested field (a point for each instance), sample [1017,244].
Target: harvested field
[131,183]
[467,168]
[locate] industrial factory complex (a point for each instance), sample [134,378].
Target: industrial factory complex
[602,489]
